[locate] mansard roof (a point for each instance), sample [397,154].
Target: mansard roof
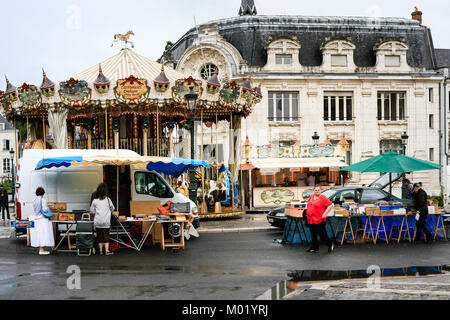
[442,58]
[250,34]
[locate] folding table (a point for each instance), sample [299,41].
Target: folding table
[440,219]
[402,230]
[348,222]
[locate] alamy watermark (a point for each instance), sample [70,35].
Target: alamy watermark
[73,21]
[74,280]
[374,281]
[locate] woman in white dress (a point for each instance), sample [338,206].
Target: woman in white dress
[42,233]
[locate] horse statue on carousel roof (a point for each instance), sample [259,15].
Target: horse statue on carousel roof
[124,37]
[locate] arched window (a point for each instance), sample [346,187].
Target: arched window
[208,71]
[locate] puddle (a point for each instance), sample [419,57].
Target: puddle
[299,278]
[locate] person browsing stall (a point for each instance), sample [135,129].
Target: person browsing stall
[407,189]
[420,203]
[103,208]
[317,210]
[41,235]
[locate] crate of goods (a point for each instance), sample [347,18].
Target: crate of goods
[435,204]
[385,207]
[340,212]
[372,211]
[57,206]
[295,212]
[67,217]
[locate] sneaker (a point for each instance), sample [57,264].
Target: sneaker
[311,250]
[44,253]
[109,253]
[331,248]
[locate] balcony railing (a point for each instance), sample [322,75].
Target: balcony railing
[295,151]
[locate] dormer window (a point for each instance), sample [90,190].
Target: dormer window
[338,60]
[391,56]
[283,59]
[338,55]
[282,55]
[392,61]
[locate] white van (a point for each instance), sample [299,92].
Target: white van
[75,185]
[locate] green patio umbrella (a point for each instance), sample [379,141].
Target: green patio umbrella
[392,162]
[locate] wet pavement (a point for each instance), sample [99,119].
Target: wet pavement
[218,266]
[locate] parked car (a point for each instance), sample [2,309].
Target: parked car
[360,195]
[277,218]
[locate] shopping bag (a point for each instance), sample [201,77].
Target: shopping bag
[164,209]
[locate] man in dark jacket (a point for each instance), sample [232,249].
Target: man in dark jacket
[420,203]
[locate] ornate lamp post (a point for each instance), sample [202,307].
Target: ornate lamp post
[405,138]
[191,100]
[316,139]
[13,181]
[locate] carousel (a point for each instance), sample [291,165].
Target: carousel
[131,102]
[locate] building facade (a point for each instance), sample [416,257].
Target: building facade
[7,143]
[368,80]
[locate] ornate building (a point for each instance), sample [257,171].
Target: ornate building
[370,80]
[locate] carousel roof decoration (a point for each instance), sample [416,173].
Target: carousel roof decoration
[161,82]
[182,87]
[9,87]
[47,86]
[213,84]
[30,97]
[75,93]
[102,83]
[132,91]
[10,94]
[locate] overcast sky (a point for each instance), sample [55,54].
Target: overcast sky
[68,36]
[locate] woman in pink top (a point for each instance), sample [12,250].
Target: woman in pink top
[317,212]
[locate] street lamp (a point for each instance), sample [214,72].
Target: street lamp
[191,101]
[316,138]
[13,180]
[405,138]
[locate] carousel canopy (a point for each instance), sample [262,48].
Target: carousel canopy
[171,166]
[129,83]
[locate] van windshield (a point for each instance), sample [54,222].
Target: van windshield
[151,184]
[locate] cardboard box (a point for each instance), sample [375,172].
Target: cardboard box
[373,211]
[67,217]
[57,206]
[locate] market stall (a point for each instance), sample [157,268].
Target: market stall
[145,213]
[382,223]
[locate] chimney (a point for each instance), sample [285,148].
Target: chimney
[417,15]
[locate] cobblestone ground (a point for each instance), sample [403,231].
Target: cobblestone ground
[404,288]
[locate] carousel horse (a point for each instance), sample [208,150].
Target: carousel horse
[226,179]
[124,37]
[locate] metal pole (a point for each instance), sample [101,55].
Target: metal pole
[157,130]
[192,184]
[217,147]
[203,169]
[43,128]
[232,161]
[106,128]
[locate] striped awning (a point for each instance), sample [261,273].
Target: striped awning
[171,166]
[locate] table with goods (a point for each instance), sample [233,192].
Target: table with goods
[383,222]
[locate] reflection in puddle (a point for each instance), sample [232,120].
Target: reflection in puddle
[299,278]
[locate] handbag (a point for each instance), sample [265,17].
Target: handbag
[48,214]
[113,217]
[305,217]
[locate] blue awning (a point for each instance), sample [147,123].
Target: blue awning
[176,167]
[58,162]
